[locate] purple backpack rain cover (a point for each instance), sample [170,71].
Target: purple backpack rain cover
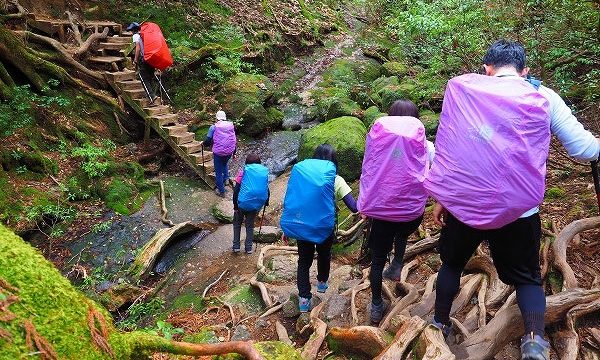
[491,149]
[224,140]
[393,170]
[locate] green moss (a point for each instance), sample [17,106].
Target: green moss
[554,193]
[331,103]
[347,135]
[21,161]
[270,350]
[431,121]
[395,68]
[10,205]
[247,297]
[203,336]
[372,114]
[187,300]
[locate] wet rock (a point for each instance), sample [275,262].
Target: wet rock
[336,310]
[261,323]
[119,295]
[294,116]
[290,308]
[240,333]
[267,234]
[223,211]
[347,135]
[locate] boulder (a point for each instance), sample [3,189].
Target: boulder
[431,121]
[223,211]
[347,135]
[240,333]
[331,103]
[244,97]
[267,234]
[372,114]
[348,73]
[395,68]
[337,310]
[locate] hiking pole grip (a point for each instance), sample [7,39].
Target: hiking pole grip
[596,180]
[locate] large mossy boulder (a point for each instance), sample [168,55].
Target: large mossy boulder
[395,68]
[372,114]
[244,98]
[348,73]
[347,135]
[431,121]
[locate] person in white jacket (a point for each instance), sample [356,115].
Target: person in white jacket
[514,247]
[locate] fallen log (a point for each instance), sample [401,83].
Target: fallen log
[409,330]
[432,346]
[145,260]
[507,325]
[367,341]
[559,247]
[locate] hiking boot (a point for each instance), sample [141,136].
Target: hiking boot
[235,251]
[322,286]
[534,347]
[221,194]
[393,271]
[445,328]
[377,312]
[249,251]
[303,304]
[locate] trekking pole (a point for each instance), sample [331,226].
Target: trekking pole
[162,88]
[262,218]
[144,85]
[596,180]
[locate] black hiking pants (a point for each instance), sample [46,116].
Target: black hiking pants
[306,253]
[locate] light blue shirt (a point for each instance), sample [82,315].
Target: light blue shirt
[579,142]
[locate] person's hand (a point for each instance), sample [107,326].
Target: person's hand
[439,215]
[363,216]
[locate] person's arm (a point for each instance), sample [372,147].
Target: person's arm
[350,202]
[344,192]
[208,141]
[236,193]
[137,53]
[579,142]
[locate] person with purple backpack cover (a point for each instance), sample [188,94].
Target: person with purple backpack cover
[397,158]
[221,136]
[488,179]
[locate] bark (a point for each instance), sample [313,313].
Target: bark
[412,295]
[421,246]
[410,329]
[432,346]
[282,333]
[507,325]
[559,246]
[85,47]
[466,293]
[368,341]
[497,291]
[567,341]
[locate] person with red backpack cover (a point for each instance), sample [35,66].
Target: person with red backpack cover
[397,158]
[488,177]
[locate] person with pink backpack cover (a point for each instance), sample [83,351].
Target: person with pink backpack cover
[396,161]
[221,136]
[488,178]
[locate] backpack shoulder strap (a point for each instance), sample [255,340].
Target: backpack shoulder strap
[534,82]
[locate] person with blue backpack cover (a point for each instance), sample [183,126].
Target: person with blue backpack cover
[309,216]
[250,194]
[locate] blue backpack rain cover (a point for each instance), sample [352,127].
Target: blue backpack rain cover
[254,190]
[309,204]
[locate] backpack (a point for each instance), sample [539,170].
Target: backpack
[491,149]
[309,203]
[254,188]
[156,51]
[394,167]
[224,140]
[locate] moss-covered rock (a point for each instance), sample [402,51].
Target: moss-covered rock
[431,121]
[244,98]
[395,68]
[372,114]
[347,135]
[345,73]
[223,211]
[203,336]
[271,350]
[384,81]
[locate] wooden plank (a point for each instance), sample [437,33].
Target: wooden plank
[158,110]
[120,75]
[176,129]
[106,59]
[130,84]
[113,46]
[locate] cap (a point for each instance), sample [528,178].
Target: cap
[132,26]
[221,115]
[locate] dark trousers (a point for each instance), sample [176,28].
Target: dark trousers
[385,235]
[515,251]
[238,217]
[147,75]
[221,171]
[306,252]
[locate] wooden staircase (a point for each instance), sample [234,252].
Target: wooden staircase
[112,54]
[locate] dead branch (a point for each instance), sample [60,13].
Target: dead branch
[163,205]
[420,246]
[409,330]
[212,284]
[75,28]
[365,340]
[507,325]
[559,246]
[431,345]
[85,47]
[481,302]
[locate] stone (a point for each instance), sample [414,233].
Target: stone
[118,295]
[267,234]
[347,135]
[223,211]
[337,309]
[395,68]
[240,333]
[294,116]
[290,308]
[261,323]
[372,114]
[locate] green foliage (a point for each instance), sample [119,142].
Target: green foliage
[118,196]
[101,227]
[138,311]
[92,157]
[554,193]
[164,329]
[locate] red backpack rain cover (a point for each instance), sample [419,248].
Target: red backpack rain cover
[156,51]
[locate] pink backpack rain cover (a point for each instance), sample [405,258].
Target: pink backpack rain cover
[394,168]
[224,140]
[491,150]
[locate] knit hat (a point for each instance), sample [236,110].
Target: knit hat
[221,115]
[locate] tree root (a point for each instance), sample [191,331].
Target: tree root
[466,293]
[498,290]
[312,346]
[412,295]
[163,206]
[420,246]
[559,246]
[244,348]
[35,341]
[409,330]
[212,284]
[481,302]
[99,335]
[282,333]
[365,340]
[567,341]
[356,290]
[432,346]
[260,264]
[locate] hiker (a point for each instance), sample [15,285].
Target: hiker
[397,158]
[488,178]
[146,72]
[309,216]
[250,194]
[221,136]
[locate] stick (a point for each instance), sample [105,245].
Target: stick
[163,205]
[212,284]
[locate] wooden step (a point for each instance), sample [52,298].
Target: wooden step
[113,46]
[126,33]
[106,59]
[136,93]
[165,119]
[119,40]
[175,129]
[198,159]
[183,138]
[193,148]
[124,75]
[158,110]
[130,85]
